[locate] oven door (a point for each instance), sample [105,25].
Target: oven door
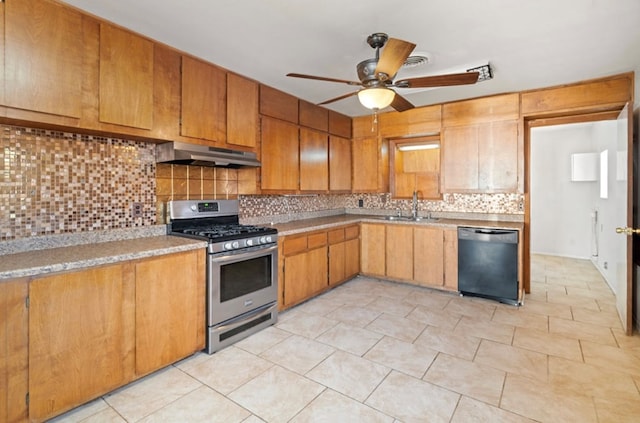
[241,281]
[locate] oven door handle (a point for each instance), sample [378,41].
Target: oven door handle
[244,255]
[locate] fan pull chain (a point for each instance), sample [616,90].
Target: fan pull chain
[374,120]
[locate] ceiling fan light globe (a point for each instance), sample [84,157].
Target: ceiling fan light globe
[376,98]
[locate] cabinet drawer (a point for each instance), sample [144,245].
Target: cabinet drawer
[336,235]
[351,232]
[294,245]
[316,240]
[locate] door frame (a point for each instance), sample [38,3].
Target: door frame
[576,117]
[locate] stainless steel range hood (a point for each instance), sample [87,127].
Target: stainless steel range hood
[201,155]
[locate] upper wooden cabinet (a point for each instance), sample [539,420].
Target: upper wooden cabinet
[278,104]
[314,160]
[242,111]
[280,157]
[313,116]
[411,123]
[339,124]
[43,57]
[204,101]
[126,78]
[480,145]
[339,164]
[370,164]
[588,96]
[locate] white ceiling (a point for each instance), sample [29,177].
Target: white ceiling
[529,44]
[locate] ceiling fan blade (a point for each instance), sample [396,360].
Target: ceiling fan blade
[322,78]
[401,104]
[439,80]
[393,55]
[338,98]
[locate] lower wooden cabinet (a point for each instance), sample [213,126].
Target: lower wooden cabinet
[14,350]
[418,254]
[94,330]
[81,337]
[170,313]
[312,262]
[344,254]
[372,249]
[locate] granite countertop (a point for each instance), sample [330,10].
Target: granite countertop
[49,260]
[318,223]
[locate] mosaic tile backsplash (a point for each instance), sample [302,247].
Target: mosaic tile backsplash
[60,183]
[57,182]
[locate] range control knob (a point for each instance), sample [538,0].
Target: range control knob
[194,208]
[249,242]
[227,246]
[268,238]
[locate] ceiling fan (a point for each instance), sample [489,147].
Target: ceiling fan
[376,76]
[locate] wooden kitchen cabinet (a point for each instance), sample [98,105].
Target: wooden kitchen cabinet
[126,78]
[93,330]
[415,122]
[399,252]
[81,337]
[344,253]
[277,104]
[480,145]
[314,160]
[43,60]
[280,157]
[340,124]
[312,116]
[304,268]
[481,157]
[372,249]
[243,120]
[428,261]
[339,164]
[170,309]
[451,259]
[204,101]
[14,354]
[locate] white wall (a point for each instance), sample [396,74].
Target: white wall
[560,209]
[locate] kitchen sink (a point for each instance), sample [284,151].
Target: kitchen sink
[409,219]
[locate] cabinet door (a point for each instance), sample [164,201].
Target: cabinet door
[280,158]
[314,160]
[451,259]
[170,309]
[204,101]
[305,274]
[43,57]
[460,158]
[352,257]
[399,252]
[365,165]
[126,78]
[498,156]
[14,354]
[372,249]
[339,164]
[337,263]
[81,338]
[242,111]
[428,261]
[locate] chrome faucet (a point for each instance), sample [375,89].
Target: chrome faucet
[414,205]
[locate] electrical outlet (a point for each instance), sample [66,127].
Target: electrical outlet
[136,209]
[360,202]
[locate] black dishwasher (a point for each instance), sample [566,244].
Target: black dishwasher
[488,263]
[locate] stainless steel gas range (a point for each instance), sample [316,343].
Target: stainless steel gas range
[242,262]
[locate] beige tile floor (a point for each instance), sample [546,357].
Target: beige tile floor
[376,351]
